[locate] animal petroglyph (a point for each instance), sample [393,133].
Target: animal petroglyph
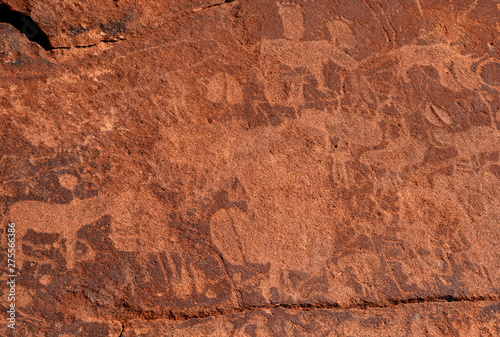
[477,139]
[455,70]
[129,231]
[294,52]
[294,225]
[64,219]
[396,155]
[284,60]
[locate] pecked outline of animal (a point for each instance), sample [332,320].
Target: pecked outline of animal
[62,219]
[293,51]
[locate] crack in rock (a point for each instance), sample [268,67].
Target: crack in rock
[183,316]
[90,45]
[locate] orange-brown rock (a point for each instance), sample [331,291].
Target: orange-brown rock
[251,168]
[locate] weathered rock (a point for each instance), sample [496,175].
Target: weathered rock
[425,319]
[257,165]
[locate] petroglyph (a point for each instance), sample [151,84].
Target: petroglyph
[286,237]
[437,115]
[224,87]
[476,140]
[396,155]
[224,232]
[341,173]
[282,86]
[432,206]
[300,236]
[455,70]
[131,225]
[341,34]
[276,156]
[355,129]
[294,52]
[311,55]
[64,220]
[293,19]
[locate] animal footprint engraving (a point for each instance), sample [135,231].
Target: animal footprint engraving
[341,175]
[293,19]
[342,35]
[224,87]
[438,116]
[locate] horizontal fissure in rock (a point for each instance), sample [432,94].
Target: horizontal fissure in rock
[184,316]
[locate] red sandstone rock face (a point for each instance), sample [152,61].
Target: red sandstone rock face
[252,168]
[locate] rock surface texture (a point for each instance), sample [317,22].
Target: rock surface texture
[251,168]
